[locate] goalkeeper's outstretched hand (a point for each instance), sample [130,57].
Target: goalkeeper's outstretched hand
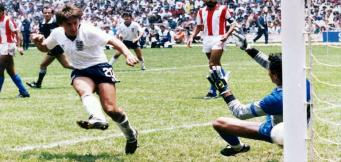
[217,79]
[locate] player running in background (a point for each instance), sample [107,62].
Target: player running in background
[84,46]
[45,28]
[130,32]
[270,106]
[9,39]
[211,20]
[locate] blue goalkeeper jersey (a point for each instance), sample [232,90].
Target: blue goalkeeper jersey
[272,104]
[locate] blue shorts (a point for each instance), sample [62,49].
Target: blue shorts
[265,129]
[100,73]
[131,45]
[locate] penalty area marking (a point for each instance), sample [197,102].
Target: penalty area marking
[89,139]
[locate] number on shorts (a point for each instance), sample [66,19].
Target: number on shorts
[108,72]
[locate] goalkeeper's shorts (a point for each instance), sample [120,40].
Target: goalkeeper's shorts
[265,129]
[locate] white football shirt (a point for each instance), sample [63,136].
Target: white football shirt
[129,32]
[86,50]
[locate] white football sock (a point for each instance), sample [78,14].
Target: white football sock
[93,107]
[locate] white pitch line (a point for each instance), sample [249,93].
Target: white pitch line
[88,139]
[123,71]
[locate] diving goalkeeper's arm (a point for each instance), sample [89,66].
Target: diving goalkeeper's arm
[238,109]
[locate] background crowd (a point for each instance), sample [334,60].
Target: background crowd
[171,21]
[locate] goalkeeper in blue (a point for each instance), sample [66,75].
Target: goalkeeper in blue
[270,106]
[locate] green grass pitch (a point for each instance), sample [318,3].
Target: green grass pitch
[164,103]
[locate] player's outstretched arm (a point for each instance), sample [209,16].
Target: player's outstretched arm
[238,109]
[38,39]
[258,56]
[119,46]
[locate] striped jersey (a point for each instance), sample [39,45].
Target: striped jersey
[214,20]
[7,32]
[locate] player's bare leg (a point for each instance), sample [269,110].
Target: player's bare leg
[211,94]
[64,62]
[107,93]
[7,63]
[139,56]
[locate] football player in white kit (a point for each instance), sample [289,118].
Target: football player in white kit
[212,21]
[130,32]
[83,46]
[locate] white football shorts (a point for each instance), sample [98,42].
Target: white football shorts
[7,49]
[212,43]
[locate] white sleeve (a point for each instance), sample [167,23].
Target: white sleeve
[98,37]
[248,111]
[51,40]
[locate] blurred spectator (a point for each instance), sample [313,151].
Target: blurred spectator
[262,25]
[26,31]
[179,36]
[325,14]
[165,37]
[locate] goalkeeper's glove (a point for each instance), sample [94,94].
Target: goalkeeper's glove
[217,79]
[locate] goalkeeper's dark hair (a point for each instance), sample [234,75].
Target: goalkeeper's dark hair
[275,65]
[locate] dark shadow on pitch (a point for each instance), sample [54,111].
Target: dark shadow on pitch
[71,156]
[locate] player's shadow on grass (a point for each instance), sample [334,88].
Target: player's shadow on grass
[71,156]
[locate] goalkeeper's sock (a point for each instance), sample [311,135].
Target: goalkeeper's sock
[231,139]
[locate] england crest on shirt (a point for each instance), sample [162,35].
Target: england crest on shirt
[79,45]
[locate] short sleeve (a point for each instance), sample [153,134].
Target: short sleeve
[97,36]
[51,41]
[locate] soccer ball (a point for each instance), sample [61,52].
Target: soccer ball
[277,134]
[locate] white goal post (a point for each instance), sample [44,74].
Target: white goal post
[294,80]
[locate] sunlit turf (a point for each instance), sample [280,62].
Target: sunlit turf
[160,102]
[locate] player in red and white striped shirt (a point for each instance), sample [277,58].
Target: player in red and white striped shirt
[212,20]
[9,39]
